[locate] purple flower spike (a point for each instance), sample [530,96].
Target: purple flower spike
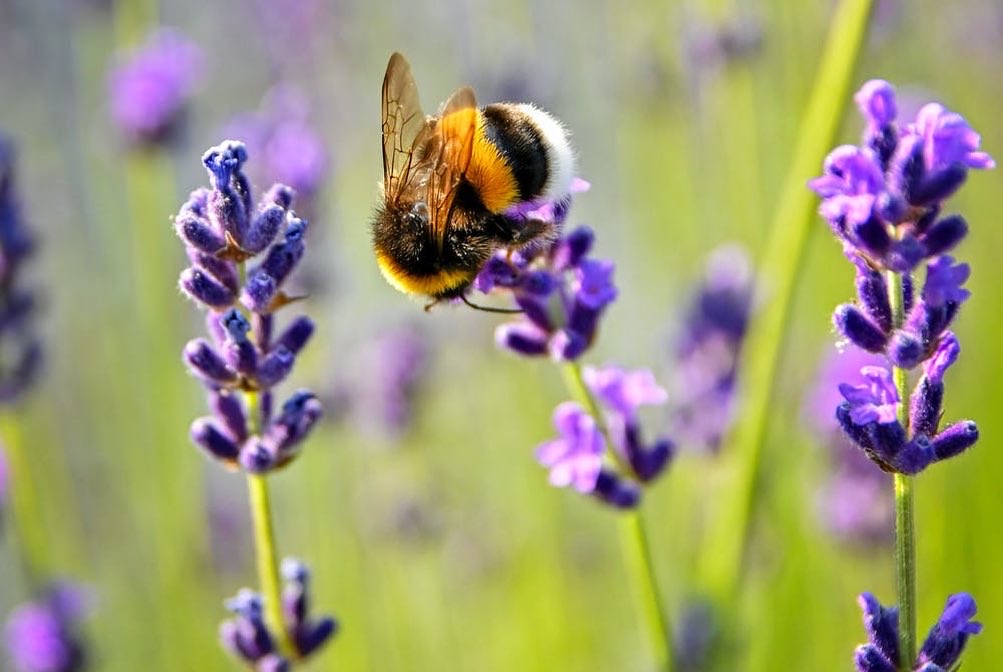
[947,638]
[575,458]
[873,402]
[151,88]
[944,280]
[244,356]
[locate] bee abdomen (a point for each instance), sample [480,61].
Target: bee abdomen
[534,147]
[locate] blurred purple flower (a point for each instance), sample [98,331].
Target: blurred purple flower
[150,87]
[575,458]
[288,145]
[855,501]
[622,393]
[383,384]
[707,350]
[22,350]
[41,636]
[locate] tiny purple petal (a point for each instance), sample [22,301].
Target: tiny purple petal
[948,140]
[873,402]
[622,391]
[524,338]
[944,280]
[593,283]
[575,458]
[876,100]
[944,356]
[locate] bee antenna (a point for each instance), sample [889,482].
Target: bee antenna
[486,309]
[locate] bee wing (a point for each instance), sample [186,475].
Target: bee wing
[405,128]
[449,156]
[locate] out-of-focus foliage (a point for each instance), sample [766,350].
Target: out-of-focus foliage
[441,546]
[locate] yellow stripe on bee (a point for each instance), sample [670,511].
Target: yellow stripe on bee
[429,285]
[489,174]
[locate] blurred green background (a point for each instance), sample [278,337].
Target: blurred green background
[444,547]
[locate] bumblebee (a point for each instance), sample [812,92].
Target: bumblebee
[448,180]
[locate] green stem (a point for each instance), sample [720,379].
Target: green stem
[265,551]
[723,551]
[905,570]
[644,583]
[633,538]
[905,538]
[27,521]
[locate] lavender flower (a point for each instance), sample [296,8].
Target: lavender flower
[221,230]
[240,364]
[21,355]
[575,458]
[306,633]
[883,200]
[289,145]
[855,501]
[562,292]
[707,351]
[41,636]
[941,650]
[608,460]
[622,393]
[151,87]
[247,637]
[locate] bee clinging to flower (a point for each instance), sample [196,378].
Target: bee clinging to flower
[450,179]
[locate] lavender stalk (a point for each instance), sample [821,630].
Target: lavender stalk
[244,360]
[884,201]
[563,293]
